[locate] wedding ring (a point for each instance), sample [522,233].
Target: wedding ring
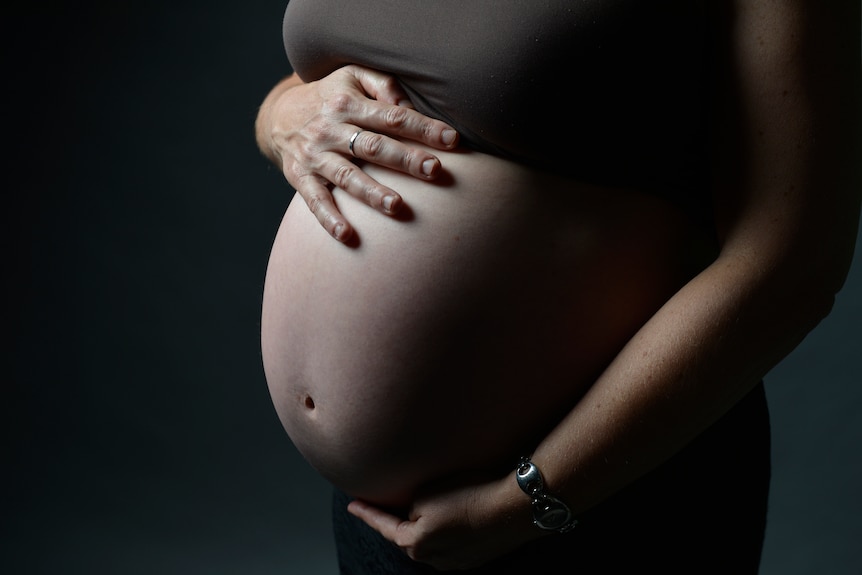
[352,140]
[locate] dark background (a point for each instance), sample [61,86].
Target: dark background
[139,437]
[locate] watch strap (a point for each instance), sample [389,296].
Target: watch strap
[549,512]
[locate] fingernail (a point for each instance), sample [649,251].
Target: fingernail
[448,136]
[428,167]
[388,202]
[338,232]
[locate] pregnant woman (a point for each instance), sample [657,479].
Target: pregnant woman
[602,224]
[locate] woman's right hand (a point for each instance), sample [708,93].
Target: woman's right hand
[306,129]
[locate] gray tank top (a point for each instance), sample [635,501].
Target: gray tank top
[610,92]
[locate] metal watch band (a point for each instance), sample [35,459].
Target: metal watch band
[549,513]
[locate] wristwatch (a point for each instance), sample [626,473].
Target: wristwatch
[549,513]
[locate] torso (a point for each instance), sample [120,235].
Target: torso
[454,339]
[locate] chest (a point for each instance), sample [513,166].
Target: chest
[615,78]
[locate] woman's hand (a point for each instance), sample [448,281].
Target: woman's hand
[316,131]
[457,527]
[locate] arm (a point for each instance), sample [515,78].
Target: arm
[787,191]
[305,129]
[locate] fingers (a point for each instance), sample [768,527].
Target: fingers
[318,198]
[384,523]
[380,86]
[409,124]
[403,534]
[382,150]
[413,125]
[389,111]
[346,175]
[354,113]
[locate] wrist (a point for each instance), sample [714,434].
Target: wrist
[510,512]
[264,126]
[549,513]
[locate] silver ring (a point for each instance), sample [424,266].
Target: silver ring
[352,140]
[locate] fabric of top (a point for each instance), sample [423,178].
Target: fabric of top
[610,92]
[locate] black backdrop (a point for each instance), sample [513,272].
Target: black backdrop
[139,433]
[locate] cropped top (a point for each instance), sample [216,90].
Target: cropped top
[612,92]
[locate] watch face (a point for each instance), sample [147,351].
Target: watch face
[551,514]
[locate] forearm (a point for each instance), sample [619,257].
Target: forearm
[788,191]
[698,356]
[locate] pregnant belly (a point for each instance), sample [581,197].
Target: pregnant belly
[453,338]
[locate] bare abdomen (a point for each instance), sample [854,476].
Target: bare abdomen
[456,337]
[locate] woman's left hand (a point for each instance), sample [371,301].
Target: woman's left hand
[458,527]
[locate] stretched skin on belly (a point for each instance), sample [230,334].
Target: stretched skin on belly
[454,338]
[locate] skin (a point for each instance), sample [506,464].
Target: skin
[306,134]
[499,276]
[787,191]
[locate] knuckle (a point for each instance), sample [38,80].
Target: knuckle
[348,178]
[315,203]
[304,157]
[396,116]
[409,159]
[320,130]
[372,196]
[343,175]
[372,145]
[338,104]
[429,130]
[316,197]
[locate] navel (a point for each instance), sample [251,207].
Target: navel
[308,401]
